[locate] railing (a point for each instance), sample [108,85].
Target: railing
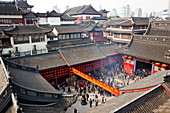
[4,69]
[5,97]
[12,64]
[34,95]
[35,40]
[141,99]
[5,46]
[21,42]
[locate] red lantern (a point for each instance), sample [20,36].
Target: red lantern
[157,64]
[163,65]
[129,57]
[125,57]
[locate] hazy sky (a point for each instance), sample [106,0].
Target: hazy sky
[146,5]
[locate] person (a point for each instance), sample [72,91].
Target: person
[87,95]
[69,89]
[90,102]
[93,97]
[63,88]
[75,110]
[102,99]
[96,101]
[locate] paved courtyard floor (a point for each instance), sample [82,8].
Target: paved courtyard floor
[84,108]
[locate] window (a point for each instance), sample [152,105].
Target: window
[72,36]
[67,36]
[64,36]
[27,53]
[163,40]
[79,36]
[41,51]
[20,40]
[87,17]
[156,39]
[29,21]
[60,37]
[35,38]
[75,35]
[42,38]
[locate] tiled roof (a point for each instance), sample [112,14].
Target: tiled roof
[53,13]
[157,31]
[30,15]
[66,17]
[81,54]
[9,8]
[30,80]
[140,20]
[76,54]
[108,49]
[88,26]
[81,10]
[41,14]
[69,29]
[28,29]
[99,18]
[23,4]
[103,11]
[127,99]
[45,61]
[120,22]
[70,42]
[149,47]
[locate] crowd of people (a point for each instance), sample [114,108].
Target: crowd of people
[85,88]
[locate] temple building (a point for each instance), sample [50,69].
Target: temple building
[54,18]
[71,33]
[16,12]
[120,30]
[84,57]
[23,89]
[150,51]
[24,40]
[84,13]
[102,18]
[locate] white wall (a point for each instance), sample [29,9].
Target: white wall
[11,16]
[6,50]
[29,46]
[54,20]
[84,16]
[42,21]
[67,22]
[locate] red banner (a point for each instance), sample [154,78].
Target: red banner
[137,90]
[101,84]
[128,67]
[154,71]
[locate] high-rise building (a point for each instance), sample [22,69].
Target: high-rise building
[169,6]
[145,14]
[125,11]
[56,8]
[138,12]
[113,12]
[165,13]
